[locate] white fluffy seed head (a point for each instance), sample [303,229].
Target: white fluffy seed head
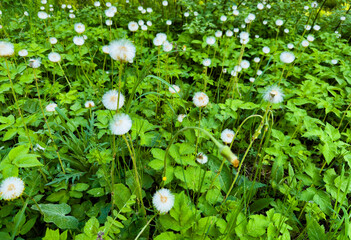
[51,107]
[42,15]
[133,26]
[167,46]
[141,23]
[223,18]
[108,22]
[244,35]
[218,34]
[54,57]
[245,64]
[290,45]
[266,50]
[78,40]
[120,124]
[53,40]
[257,59]
[310,38]
[260,6]
[162,36]
[201,158]
[279,22]
[79,28]
[109,13]
[181,117]
[110,100]
[211,40]
[227,136]
[122,50]
[273,94]
[200,99]
[23,53]
[229,33]
[174,89]
[163,200]
[6,49]
[251,17]
[287,57]
[206,62]
[158,41]
[34,62]
[305,43]
[106,49]
[11,188]
[89,104]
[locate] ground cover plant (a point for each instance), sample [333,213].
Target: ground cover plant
[212,119]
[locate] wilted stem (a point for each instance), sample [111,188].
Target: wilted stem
[225,151]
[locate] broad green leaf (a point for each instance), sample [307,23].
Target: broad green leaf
[80,187]
[56,213]
[257,225]
[96,192]
[314,230]
[122,195]
[332,132]
[27,160]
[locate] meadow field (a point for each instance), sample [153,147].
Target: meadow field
[178,119]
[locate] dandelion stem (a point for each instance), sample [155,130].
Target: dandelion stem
[18,107]
[46,122]
[119,84]
[137,180]
[64,75]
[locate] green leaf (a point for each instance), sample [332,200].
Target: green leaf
[28,225]
[96,192]
[122,195]
[80,187]
[7,121]
[257,225]
[156,164]
[182,215]
[167,236]
[314,230]
[329,151]
[332,132]
[27,160]
[56,213]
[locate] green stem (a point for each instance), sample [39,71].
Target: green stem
[18,107]
[137,181]
[46,122]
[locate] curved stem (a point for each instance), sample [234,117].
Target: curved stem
[223,150]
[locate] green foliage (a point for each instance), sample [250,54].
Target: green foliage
[82,182]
